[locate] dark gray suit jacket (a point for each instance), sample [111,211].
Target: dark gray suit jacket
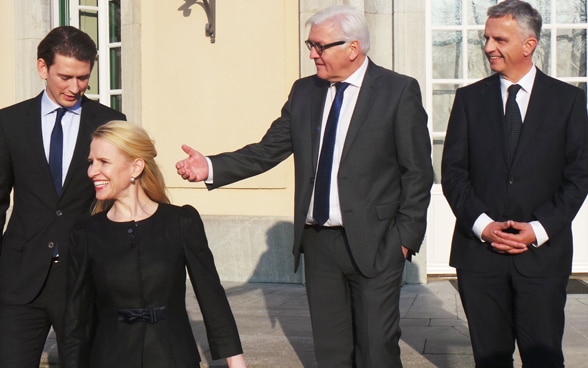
[385,174]
[39,219]
[547,181]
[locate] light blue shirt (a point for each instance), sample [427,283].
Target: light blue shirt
[71,126]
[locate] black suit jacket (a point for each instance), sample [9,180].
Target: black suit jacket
[385,174]
[39,219]
[547,181]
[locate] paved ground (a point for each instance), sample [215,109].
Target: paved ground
[275,330]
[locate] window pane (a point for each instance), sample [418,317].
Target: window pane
[114,18]
[477,10]
[93,86]
[89,2]
[116,102]
[443,95]
[437,154]
[89,23]
[542,55]
[571,52]
[571,11]
[446,12]
[544,8]
[447,49]
[115,68]
[63,12]
[477,65]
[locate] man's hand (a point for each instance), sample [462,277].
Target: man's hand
[509,237]
[405,251]
[193,168]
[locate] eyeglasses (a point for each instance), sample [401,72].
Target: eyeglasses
[321,48]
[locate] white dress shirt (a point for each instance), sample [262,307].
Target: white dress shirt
[349,101]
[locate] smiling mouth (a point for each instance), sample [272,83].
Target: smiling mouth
[100,184]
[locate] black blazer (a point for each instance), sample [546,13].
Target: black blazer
[39,219]
[109,270]
[547,181]
[385,174]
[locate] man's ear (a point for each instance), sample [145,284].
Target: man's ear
[42,68]
[354,50]
[529,46]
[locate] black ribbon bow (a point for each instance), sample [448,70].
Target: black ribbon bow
[150,315]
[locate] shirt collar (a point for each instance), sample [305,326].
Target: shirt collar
[526,82]
[48,106]
[356,78]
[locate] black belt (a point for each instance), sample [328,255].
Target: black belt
[151,315]
[322,228]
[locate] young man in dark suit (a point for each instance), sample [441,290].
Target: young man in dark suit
[515,172]
[44,145]
[358,226]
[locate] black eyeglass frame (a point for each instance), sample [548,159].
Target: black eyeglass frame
[321,48]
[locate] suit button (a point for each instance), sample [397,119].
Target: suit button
[58,213]
[511,180]
[51,245]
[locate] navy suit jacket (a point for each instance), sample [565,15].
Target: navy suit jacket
[546,182]
[385,173]
[39,220]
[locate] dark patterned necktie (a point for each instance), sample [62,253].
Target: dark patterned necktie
[514,122]
[322,186]
[56,151]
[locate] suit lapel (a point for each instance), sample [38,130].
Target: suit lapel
[364,102]
[33,124]
[491,102]
[317,105]
[80,155]
[535,111]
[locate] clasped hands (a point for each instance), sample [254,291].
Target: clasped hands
[509,237]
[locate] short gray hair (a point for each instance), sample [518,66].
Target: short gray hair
[349,21]
[528,17]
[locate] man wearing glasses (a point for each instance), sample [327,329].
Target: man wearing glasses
[363,175]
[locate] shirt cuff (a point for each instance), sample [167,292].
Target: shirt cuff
[210,178]
[540,233]
[481,222]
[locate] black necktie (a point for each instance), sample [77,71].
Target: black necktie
[56,151]
[514,122]
[322,184]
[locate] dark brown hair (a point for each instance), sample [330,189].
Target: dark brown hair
[67,41]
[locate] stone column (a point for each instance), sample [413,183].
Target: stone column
[33,23]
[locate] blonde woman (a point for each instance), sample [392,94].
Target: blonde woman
[126,277]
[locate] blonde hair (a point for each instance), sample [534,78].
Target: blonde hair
[133,141]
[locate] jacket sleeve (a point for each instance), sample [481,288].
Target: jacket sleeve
[6,179]
[557,213]
[455,167]
[79,321]
[221,329]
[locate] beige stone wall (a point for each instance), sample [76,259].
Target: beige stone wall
[219,96]
[7,77]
